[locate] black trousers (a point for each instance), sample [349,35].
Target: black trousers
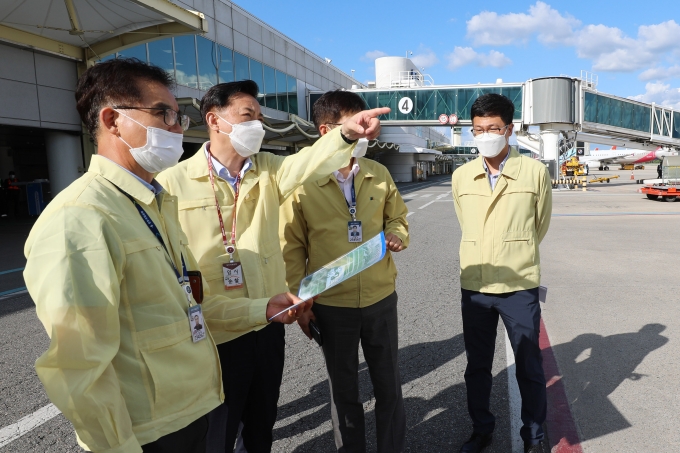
[190,439]
[375,327]
[252,369]
[521,314]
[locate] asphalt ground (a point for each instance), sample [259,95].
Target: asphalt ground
[612,317]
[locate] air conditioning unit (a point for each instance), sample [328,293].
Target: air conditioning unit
[371,84]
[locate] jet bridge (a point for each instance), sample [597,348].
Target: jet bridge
[559,110]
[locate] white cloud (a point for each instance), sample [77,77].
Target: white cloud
[609,48]
[425,58]
[371,55]
[463,56]
[660,73]
[548,24]
[660,93]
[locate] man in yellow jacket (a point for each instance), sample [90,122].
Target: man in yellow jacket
[108,268]
[503,202]
[322,221]
[229,198]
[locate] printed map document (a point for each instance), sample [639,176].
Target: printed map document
[340,269]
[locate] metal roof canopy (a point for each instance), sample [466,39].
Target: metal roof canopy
[86,30]
[294,132]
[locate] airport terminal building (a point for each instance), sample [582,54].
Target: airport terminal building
[44,45]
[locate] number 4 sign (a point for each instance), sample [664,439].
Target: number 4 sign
[405,105]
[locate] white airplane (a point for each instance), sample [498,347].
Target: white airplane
[602,158]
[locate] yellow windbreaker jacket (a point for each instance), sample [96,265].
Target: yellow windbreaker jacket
[502,229]
[269,181]
[314,232]
[121,364]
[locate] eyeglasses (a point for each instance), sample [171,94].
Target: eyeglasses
[170,116]
[492,130]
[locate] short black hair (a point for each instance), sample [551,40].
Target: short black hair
[220,96]
[492,104]
[114,82]
[333,105]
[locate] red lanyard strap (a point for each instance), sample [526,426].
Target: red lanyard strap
[230,249]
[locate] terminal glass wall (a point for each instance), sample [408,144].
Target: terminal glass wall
[185,61]
[615,112]
[676,124]
[429,104]
[197,62]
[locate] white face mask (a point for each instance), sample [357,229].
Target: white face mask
[246,137]
[360,148]
[162,149]
[490,145]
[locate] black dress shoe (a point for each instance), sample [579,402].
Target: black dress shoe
[477,443]
[536,448]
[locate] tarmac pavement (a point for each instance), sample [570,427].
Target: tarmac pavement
[611,315]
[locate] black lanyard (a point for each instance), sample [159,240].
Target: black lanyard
[351,207]
[181,279]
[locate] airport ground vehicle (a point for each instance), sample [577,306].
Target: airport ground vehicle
[573,167]
[604,179]
[661,192]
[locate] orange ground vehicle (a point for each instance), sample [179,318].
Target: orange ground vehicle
[661,192]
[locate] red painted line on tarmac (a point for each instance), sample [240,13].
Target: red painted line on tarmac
[560,422]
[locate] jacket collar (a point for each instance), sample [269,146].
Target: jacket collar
[197,167]
[364,173]
[511,168]
[116,175]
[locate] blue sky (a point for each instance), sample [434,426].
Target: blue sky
[634,47]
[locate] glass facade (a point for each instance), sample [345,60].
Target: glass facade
[160,54]
[186,72]
[616,112]
[207,63]
[429,104]
[197,62]
[676,124]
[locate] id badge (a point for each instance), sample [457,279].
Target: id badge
[233,275]
[354,233]
[197,323]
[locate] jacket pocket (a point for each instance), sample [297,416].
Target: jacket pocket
[177,367]
[517,256]
[470,258]
[204,203]
[145,260]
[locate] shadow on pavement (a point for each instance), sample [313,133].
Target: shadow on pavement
[15,303]
[437,424]
[594,366]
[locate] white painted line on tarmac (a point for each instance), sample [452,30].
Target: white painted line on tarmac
[425,185]
[11,433]
[410,213]
[515,400]
[433,201]
[426,195]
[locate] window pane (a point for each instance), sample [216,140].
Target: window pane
[269,87]
[138,52]
[292,95]
[256,76]
[226,66]
[185,61]
[160,54]
[282,91]
[207,63]
[108,57]
[241,67]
